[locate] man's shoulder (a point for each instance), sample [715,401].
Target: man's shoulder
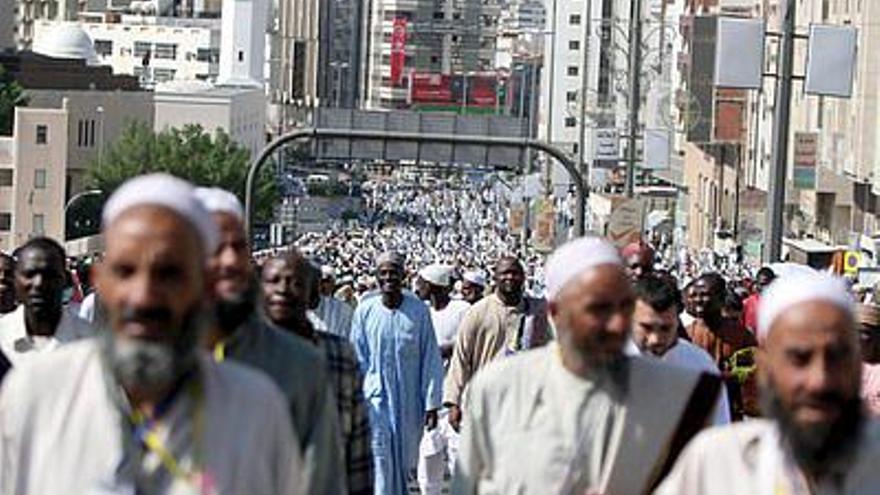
[48,375]
[281,341]
[239,382]
[736,438]
[520,370]
[692,356]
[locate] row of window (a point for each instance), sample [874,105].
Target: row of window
[7,178]
[164,51]
[38,223]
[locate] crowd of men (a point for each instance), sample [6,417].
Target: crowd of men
[191,369]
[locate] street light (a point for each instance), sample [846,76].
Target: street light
[78,197]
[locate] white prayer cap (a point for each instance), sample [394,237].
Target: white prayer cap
[437,274]
[327,271]
[392,257]
[573,258]
[475,277]
[169,192]
[786,292]
[218,200]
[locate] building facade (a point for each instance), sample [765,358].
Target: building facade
[28,12]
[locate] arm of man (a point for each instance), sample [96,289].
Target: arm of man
[460,364]
[472,448]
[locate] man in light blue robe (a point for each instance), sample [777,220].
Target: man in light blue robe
[403,374]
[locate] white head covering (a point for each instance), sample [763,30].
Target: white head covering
[437,274]
[475,277]
[169,192]
[795,289]
[573,258]
[218,200]
[392,257]
[328,271]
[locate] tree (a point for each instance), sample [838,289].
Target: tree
[189,153]
[11,96]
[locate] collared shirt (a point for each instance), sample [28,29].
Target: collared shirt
[748,457]
[300,371]
[490,329]
[59,414]
[18,346]
[345,376]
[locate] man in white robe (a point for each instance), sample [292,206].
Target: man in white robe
[40,323]
[817,437]
[140,409]
[655,334]
[577,416]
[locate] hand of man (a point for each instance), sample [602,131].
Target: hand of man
[431,420]
[455,417]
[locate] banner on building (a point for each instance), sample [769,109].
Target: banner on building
[398,50]
[806,149]
[545,220]
[452,92]
[606,147]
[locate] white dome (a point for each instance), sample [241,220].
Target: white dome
[66,40]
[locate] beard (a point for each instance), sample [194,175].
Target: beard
[816,448]
[230,313]
[149,366]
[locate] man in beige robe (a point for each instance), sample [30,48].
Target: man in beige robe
[817,438]
[578,416]
[140,409]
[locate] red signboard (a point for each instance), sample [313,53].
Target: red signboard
[398,50]
[449,90]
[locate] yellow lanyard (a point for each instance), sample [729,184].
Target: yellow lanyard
[220,351]
[146,433]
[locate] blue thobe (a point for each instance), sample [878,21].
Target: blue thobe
[403,376]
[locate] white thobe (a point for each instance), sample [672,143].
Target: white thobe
[332,316]
[447,320]
[61,431]
[687,355]
[747,458]
[533,427]
[19,347]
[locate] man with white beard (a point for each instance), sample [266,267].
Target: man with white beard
[141,410]
[816,437]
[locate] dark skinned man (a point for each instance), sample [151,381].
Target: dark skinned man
[578,416]
[289,283]
[403,375]
[242,335]
[816,437]
[140,409]
[503,323]
[40,323]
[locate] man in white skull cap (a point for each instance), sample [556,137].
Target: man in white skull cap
[327,313]
[578,416]
[140,409]
[816,437]
[473,284]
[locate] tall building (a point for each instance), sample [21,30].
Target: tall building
[441,37]
[7,25]
[154,49]
[28,12]
[243,43]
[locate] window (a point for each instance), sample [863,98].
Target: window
[104,48]
[571,96]
[572,70]
[162,75]
[92,133]
[42,134]
[570,122]
[240,56]
[5,222]
[39,225]
[6,176]
[141,48]
[207,55]
[40,178]
[574,45]
[166,51]
[574,19]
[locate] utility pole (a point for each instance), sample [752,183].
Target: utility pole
[776,206]
[585,86]
[635,68]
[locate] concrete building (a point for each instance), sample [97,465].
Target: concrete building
[154,49]
[239,111]
[243,43]
[7,25]
[439,37]
[28,12]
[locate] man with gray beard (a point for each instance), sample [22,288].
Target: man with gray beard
[141,410]
[817,438]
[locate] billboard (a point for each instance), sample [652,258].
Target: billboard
[806,147]
[398,50]
[454,91]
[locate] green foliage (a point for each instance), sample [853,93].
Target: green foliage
[11,96]
[189,153]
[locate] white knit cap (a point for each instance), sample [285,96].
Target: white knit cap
[169,192]
[789,291]
[437,274]
[475,277]
[218,200]
[328,271]
[573,258]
